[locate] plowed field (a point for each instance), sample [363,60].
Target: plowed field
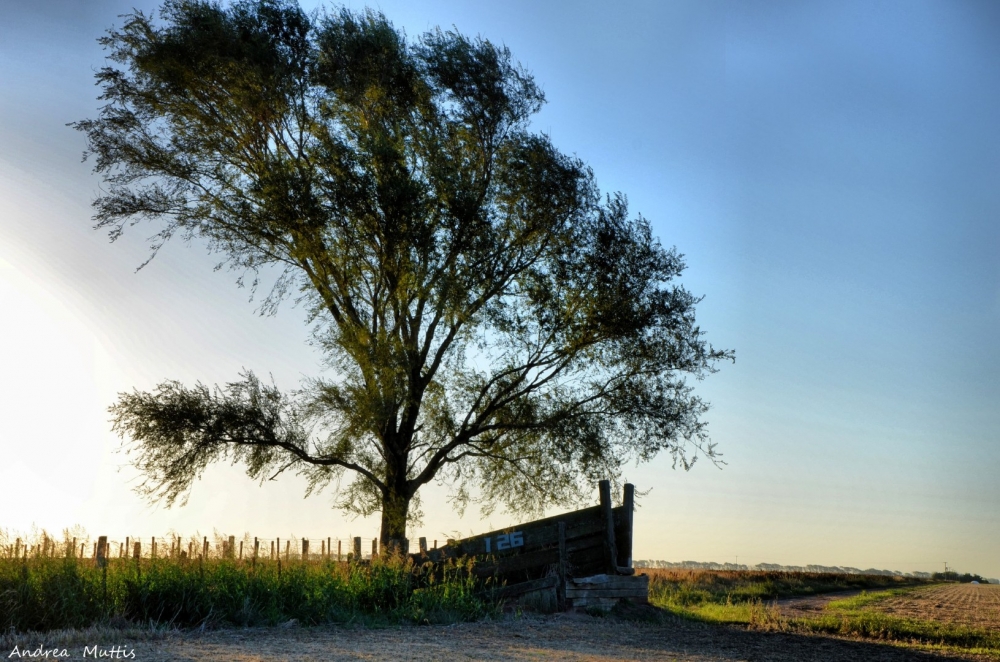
[975,605]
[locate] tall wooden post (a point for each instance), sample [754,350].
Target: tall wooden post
[137,550]
[305,549]
[423,545]
[102,551]
[231,548]
[152,549]
[329,550]
[241,550]
[204,547]
[357,548]
[338,550]
[374,547]
[561,586]
[625,546]
[256,549]
[610,549]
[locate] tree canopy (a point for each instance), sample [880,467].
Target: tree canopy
[487,318]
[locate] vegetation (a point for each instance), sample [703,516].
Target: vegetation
[746,599]
[45,593]
[693,588]
[489,319]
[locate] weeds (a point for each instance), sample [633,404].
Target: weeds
[46,593]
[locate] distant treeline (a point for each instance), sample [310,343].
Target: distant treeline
[777,567]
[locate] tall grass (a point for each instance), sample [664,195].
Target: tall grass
[44,593]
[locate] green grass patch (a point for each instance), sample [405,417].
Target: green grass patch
[40,594]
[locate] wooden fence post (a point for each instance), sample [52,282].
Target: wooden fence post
[305,549]
[241,550]
[338,550]
[73,553]
[374,547]
[423,545]
[625,546]
[277,544]
[256,549]
[204,547]
[329,550]
[102,551]
[137,550]
[561,586]
[272,550]
[190,549]
[357,548]
[231,552]
[152,549]
[610,550]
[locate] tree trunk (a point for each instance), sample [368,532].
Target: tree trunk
[395,509]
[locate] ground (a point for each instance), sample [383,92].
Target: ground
[563,637]
[641,633]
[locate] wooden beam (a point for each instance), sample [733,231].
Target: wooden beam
[610,550]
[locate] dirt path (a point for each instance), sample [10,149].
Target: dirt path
[812,604]
[561,637]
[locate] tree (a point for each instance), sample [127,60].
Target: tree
[487,318]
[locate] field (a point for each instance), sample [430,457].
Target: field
[174,609]
[956,619]
[975,606]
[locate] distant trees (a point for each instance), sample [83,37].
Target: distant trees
[488,319]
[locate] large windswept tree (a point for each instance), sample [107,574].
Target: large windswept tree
[488,319]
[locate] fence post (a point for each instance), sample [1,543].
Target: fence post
[329,550]
[241,550]
[374,547]
[357,548]
[338,550]
[272,550]
[626,545]
[288,550]
[231,552]
[190,549]
[256,550]
[277,544]
[152,549]
[561,586]
[102,551]
[423,545]
[73,553]
[305,549]
[204,547]
[610,550]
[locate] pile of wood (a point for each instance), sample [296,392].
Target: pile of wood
[578,559]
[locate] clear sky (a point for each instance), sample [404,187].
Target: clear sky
[830,170]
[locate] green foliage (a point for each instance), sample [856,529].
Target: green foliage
[695,588]
[490,320]
[50,593]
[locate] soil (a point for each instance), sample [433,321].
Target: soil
[974,605]
[644,634]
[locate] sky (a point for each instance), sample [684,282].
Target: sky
[829,170]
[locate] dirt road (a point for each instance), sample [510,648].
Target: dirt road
[562,637]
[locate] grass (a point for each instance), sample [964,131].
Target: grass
[45,593]
[741,598]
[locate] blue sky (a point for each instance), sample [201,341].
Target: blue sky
[829,169]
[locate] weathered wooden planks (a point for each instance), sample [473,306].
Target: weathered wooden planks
[594,541]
